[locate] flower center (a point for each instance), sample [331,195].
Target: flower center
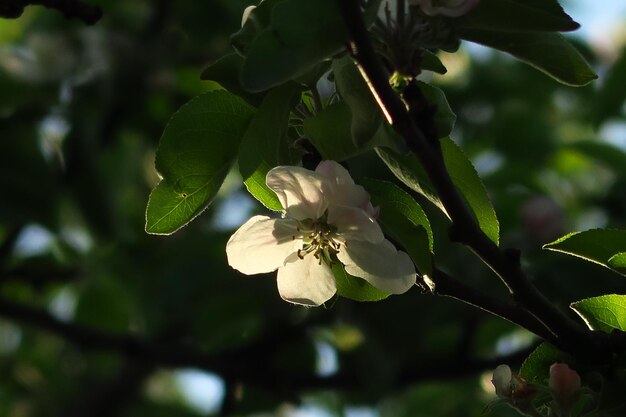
[320,239]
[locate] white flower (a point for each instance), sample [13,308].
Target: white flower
[449,8]
[328,218]
[513,389]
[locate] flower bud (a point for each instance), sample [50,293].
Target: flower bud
[565,385]
[514,390]
[501,381]
[448,8]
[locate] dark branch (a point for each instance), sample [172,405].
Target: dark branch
[569,334]
[445,285]
[248,365]
[12,9]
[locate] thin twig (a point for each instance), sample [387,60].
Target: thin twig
[441,283]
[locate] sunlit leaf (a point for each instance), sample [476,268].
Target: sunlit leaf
[598,246]
[606,312]
[408,169]
[264,144]
[469,184]
[536,368]
[550,53]
[196,151]
[402,218]
[355,288]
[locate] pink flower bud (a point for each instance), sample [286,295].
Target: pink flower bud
[565,384]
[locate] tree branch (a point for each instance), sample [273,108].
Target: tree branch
[506,264]
[12,9]
[445,285]
[248,365]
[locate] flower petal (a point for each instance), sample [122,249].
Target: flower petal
[340,189]
[379,264]
[262,245]
[299,191]
[334,172]
[354,224]
[306,281]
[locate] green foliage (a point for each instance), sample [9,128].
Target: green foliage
[536,367]
[409,170]
[598,246]
[225,71]
[469,184]
[299,35]
[518,16]
[402,218]
[550,53]
[444,117]
[366,118]
[531,140]
[329,131]
[264,145]
[354,288]
[605,313]
[195,153]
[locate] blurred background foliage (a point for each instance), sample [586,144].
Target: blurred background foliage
[97,318]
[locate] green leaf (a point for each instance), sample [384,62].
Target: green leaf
[536,368]
[469,184]
[264,144]
[402,218]
[258,20]
[597,246]
[605,313]
[366,117]
[444,117]
[355,288]
[409,170]
[196,151]
[550,53]
[618,261]
[301,33]
[225,71]
[431,62]
[518,16]
[329,131]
